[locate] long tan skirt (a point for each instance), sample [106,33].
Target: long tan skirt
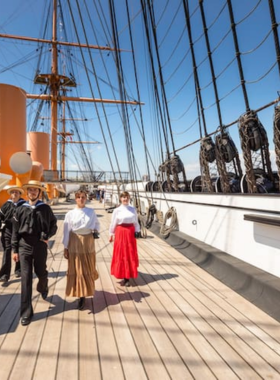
[82,272]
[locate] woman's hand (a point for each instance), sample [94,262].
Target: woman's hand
[95,234]
[16,257]
[66,253]
[111,239]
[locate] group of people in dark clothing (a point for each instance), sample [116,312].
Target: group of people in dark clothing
[6,220]
[28,225]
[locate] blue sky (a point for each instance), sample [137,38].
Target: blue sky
[253,25]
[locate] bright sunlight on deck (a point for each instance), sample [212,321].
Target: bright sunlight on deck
[175,322]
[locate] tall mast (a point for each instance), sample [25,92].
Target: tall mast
[55,81]
[54,90]
[63,134]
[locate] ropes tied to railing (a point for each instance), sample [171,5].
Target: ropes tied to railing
[174,166]
[143,229]
[248,127]
[276,138]
[254,138]
[207,155]
[151,215]
[227,158]
[166,230]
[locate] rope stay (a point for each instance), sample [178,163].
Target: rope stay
[92,92]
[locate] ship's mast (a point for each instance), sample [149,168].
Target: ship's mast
[55,81]
[54,85]
[63,135]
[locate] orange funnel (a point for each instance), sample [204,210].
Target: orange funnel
[38,144]
[12,128]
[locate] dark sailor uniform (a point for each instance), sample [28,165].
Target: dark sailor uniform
[32,225]
[7,212]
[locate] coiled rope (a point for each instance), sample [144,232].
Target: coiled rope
[165,230]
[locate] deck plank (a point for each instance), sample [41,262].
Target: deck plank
[50,344]
[148,354]
[249,316]
[191,345]
[217,319]
[88,348]
[176,321]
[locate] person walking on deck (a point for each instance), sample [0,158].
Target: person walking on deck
[7,212]
[81,227]
[124,229]
[33,224]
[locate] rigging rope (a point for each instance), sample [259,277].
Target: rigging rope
[91,87]
[137,87]
[142,224]
[254,138]
[276,138]
[156,87]
[125,118]
[151,215]
[85,157]
[274,26]
[196,78]
[228,125]
[237,52]
[170,25]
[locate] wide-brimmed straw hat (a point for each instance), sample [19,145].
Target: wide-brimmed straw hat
[33,183]
[13,187]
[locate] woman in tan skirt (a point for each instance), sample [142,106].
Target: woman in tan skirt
[79,248]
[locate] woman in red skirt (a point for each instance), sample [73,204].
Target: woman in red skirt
[123,230]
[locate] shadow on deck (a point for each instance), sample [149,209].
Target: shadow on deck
[257,286]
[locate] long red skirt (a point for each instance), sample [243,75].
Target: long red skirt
[125,257]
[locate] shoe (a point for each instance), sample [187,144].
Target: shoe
[17,274]
[45,294]
[25,321]
[126,282]
[81,303]
[4,278]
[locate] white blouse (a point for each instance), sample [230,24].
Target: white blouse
[81,221]
[124,215]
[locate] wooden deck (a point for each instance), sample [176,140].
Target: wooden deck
[175,322]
